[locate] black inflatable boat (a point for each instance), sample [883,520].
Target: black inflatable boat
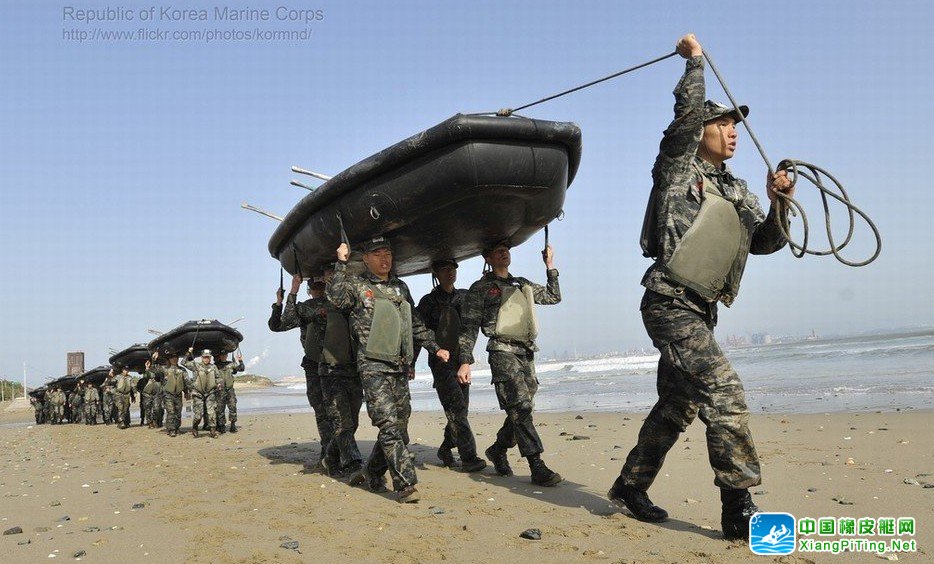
[445,192]
[133,357]
[199,335]
[66,383]
[95,376]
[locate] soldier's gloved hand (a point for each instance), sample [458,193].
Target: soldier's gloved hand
[463,374]
[443,354]
[688,46]
[296,284]
[343,252]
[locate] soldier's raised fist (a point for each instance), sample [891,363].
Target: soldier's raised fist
[688,46]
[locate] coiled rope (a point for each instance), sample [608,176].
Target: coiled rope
[792,167]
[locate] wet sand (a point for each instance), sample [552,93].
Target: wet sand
[239,497]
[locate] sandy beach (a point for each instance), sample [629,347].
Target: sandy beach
[238,498]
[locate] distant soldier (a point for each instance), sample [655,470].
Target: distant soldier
[310,316]
[700,226]
[91,404]
[76,401]
[203,386]
[123,396]
[174,388]
[226,395]
[441,311]
[158,405]
[378,301]
[58,406]
[107,392]
[38,409]
[146,399]
[503,307]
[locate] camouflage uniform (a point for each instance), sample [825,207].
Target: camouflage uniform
[454,397]
[694,376]
[226,395]
[203,386]
[38,408]
[147,400]
[108,400]
[343,393]
[311,315]
[174,383]
[158,409]
[58,407]
[512,363]
[91,401]
[385,383]
[76,401]
[123,390]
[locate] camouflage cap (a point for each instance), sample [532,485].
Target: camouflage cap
[441,263]
[489,248]
[206,352]
[375,244]
[713,110]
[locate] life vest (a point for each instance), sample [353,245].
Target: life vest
[516,320]
[337,347]
[710,257]
[123,385]
[390,337]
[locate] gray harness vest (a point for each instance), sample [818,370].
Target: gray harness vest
[390,337]
[516,320]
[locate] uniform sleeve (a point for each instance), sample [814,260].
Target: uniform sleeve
[768,236]
[549,294]
[275,318]
[471,314]
[340,290]
[682,138]
[290,314]
[421,334]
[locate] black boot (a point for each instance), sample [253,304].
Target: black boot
[637,502]
[498,457]
[233,427]
[446,457]
[541,474]
[738,509]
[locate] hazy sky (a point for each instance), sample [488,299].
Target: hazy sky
[123,163]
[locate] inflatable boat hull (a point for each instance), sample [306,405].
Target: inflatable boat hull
[205,334]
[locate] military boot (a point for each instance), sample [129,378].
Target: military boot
[446,457]
[738,509]
[213,433]
[541,474]
[407,494]
[194,431]
[499,459]
[474,464]
[637,502]
[233,427]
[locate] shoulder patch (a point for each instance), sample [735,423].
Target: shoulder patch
[494,290]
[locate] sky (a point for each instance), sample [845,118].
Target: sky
[123,162]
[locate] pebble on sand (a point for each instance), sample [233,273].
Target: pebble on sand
[580,438]
[139,505]
[79,554]
[291,545]
[13,531]
[531,534]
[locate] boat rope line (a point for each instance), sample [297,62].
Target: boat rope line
[298,267]
[340,225]
[795,169]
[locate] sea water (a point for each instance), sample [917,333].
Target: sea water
[886,371]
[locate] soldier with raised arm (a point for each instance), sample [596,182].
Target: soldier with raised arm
[203,389]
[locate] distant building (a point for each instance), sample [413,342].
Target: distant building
[75,363]
[761,339]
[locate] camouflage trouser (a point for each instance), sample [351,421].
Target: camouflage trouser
[455,400]
[694,379]
[388,405]
[316,401]
[516,384]
[90,413]
[58,413]
[343,394]
[108,408]
[226,401]
[204,402]
[173,410]
[77,410]
[145,408]
[158,410]
[122,401]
